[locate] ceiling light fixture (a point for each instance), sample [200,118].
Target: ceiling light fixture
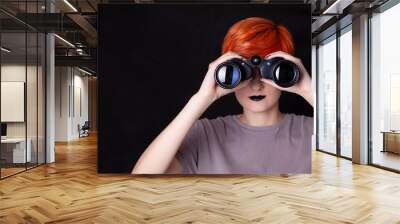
[65,41]
[5,50]
[70,5]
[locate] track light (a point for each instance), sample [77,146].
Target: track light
[337,7]
[64,40]
[5,50]
[70,5]
[84,71]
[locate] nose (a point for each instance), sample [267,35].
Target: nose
[256,84]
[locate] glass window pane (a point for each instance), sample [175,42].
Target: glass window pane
[14,152]
[327,96]
[41,97]
[346,94]
[22,89]
[385,84]
[31,100]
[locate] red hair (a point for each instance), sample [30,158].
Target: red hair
[257,36]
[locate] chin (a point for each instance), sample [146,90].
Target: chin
[259,106]
[256,108]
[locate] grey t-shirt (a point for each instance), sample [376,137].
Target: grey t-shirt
[226,145]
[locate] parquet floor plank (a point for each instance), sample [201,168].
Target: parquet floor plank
[71,191]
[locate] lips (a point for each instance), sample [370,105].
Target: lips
[257,97]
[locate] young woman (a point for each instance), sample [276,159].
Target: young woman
[261,140]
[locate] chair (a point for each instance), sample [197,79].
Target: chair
[84,130]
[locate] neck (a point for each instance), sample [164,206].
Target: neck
[264,118]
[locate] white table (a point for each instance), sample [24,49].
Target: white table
[19,154]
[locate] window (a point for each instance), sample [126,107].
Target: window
[22,77]
[385,88]
[346,92]
[327,96]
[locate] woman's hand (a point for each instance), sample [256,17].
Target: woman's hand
[303,87]
[209,89]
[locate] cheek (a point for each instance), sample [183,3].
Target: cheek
[241,96]
[276,94]
[272,92]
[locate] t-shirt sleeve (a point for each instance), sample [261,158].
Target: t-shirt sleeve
[188,152]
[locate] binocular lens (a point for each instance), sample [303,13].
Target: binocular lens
[228,75]
[285,74]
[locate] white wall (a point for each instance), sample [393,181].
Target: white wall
[62,81]
[71,93]
[81,103]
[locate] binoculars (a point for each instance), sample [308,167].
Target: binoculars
[230,73]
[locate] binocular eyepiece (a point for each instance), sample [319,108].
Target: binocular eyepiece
[230,73]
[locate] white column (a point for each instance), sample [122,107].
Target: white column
[50,93]
[360,90]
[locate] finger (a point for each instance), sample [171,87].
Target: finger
[213,65]
[232,53]
[227,56]
[274,54]
[288,57]
[222,91]
[283,55]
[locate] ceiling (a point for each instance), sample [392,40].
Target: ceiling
[75,21]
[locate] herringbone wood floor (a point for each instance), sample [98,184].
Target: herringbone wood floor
[70,191]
